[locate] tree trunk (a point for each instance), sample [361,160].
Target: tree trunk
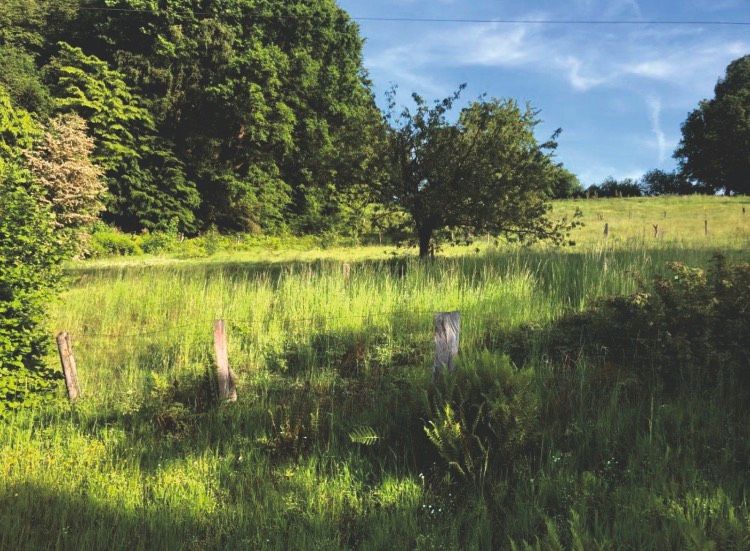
[425,237]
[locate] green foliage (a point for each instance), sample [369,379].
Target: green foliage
[658,182]
[28,24]
[563,183]
[107,241]
[30,255]
[715,146]
[484,174]
[29,273]
[17,132]
[159,242]
[147,184]
[265,101]
[23,80]
[611,187]
[365,436]
[483,416]
[687,330]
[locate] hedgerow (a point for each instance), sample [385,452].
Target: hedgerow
[30,256]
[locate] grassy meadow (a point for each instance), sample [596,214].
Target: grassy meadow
[326,447]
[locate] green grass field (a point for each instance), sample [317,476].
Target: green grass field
[326,447]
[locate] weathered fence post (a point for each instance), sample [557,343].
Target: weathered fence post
[447,332]
[68,362]
[227,389]
[606,230]
[705,227]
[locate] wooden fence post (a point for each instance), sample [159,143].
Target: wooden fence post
[447,332]
[227,389]
[68,362]
[705,227]
[606,230]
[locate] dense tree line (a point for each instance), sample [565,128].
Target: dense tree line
[251,115]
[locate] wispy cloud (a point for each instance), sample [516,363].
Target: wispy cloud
[660,139]
[585,60]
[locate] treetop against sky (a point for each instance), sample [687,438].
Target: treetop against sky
[620,92]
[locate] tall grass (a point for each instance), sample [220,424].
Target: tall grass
[147,460]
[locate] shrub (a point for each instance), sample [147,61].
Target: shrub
[158,242]
[29,271]
[110,242]
[688,329]
[30,256]
[72,183]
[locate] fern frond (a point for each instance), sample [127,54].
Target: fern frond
[366,436]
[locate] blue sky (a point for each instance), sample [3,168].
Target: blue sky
[619,93]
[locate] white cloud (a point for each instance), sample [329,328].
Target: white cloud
[660,139]
[585,58]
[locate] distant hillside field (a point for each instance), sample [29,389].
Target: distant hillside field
[678,219]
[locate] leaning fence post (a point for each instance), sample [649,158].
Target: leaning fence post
[227,389]
[68,362]
[447,332]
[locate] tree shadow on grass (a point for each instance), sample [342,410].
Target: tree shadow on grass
[33,516]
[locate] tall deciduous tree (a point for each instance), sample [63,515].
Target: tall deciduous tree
[484,173]
[715,146]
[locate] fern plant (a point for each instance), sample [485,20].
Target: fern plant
[482,417]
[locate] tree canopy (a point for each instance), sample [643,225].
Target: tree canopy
[611,187]
[265,102]
[715,147]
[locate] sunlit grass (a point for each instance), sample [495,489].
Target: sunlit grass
[318,354]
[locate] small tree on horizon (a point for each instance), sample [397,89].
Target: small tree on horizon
[485,173]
